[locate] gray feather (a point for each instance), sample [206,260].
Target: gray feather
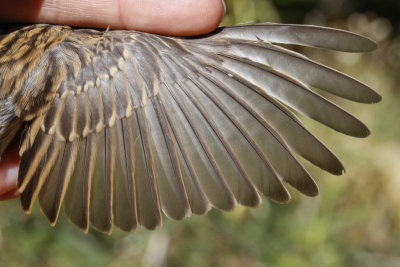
[142,123]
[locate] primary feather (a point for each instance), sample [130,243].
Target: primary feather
[121,125]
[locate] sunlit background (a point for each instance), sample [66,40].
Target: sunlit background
[355,221]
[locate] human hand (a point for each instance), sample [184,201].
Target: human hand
[168,17]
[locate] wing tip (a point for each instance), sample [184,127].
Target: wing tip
[365,132]
[368,45]
[337,171]
[310,189]
[281,196]
[358,131]
[84,226]
[282,199]
[335,166]
[107,230]
[51,215]
[376,98]
[252,202]
[366,96]
[26,202]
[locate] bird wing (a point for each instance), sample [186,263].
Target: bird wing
[142,123]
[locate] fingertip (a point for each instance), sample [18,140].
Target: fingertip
[173,17]
[10,195]
[9,165]
[208,19]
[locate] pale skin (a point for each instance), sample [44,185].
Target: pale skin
[168,17]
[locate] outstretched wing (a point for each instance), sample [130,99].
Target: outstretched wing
[142,123]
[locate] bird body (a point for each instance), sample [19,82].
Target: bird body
[120,125]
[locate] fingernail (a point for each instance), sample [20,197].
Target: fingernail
[223,3]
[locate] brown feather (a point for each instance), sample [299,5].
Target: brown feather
[121,125]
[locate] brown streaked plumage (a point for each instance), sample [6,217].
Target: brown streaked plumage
[118,126]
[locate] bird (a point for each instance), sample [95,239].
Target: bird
[117,127]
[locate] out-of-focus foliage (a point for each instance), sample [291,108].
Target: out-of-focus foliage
[354,222]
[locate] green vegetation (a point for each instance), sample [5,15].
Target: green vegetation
[354,222]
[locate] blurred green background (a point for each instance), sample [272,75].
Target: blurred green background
[354,222]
